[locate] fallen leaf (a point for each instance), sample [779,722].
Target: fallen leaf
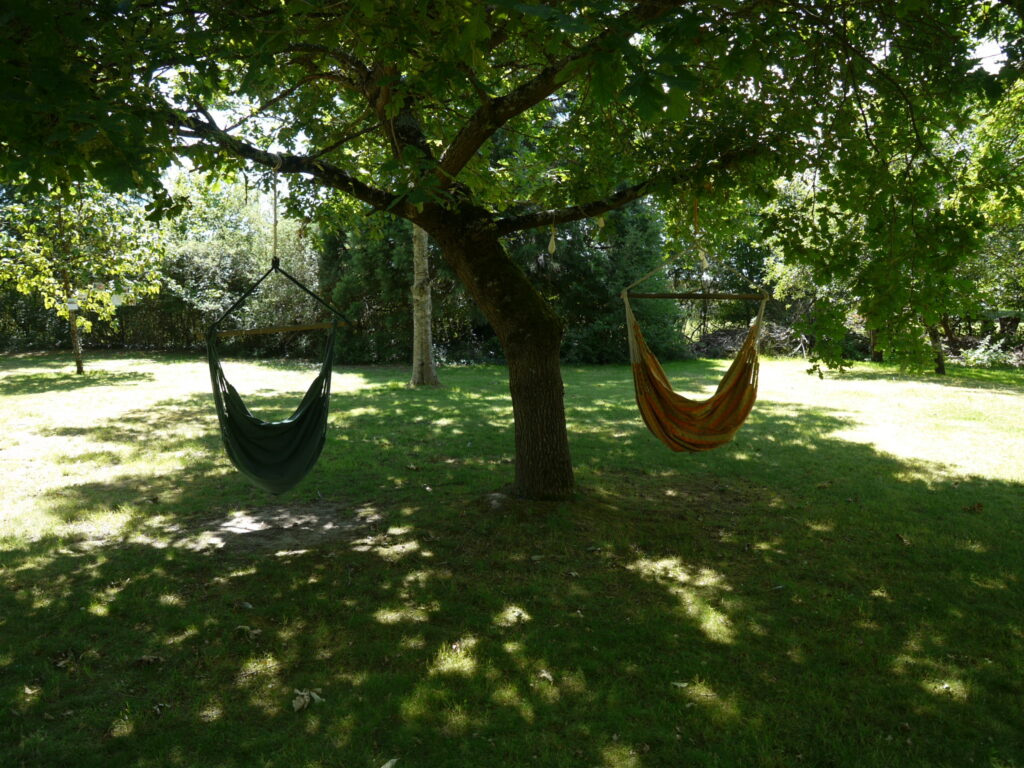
[64,660]
[681,685]
[545,675]
[303,698]
[390,763]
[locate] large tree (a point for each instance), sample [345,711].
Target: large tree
[478,120]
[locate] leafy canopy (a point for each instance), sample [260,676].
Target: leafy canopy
[401,103]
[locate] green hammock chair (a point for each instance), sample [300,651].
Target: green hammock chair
[275,455]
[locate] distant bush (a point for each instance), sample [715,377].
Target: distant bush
[987,353]
[776,341]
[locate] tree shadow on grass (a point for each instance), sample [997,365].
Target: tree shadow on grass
[37,383]
[791,599]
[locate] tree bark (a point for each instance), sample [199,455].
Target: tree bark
[76,339]
[424,373]
[876,353]
[936,344]
[1008,326]
[76,342]
[949,329]
[530,334]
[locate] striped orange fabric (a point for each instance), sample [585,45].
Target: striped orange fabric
[693,425]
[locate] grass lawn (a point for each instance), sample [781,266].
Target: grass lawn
[843,585]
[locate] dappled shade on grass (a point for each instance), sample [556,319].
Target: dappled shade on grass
[793,598]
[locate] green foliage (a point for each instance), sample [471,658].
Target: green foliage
[220,244]
[584,276]
[366,267]
[26,323]
[100,88]
[473,111]
[892,255]
[989,353]
[369,263]
[77,243]
[997,175]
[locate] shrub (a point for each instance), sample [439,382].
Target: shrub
[987,353]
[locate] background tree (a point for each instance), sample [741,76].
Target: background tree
[998,175]
[82,250]
[411,107]
[424,373]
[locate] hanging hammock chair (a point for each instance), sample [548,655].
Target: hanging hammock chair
[679,422]
[275,455]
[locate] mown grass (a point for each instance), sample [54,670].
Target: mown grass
[841,586]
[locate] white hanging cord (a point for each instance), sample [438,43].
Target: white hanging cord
[277,167]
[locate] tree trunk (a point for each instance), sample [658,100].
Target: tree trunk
[423,371]
[76,339]
[530,334]
[1008,326]
[949,329]
[76,342]
[876,353]
[936,343]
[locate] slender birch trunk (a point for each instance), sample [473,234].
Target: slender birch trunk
[424,372]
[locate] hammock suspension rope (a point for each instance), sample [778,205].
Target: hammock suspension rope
[275,455]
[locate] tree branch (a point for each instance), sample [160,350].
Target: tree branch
[554,216]
[354,64]
[495,112]
[327,174]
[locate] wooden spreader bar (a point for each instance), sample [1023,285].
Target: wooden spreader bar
[718,296]
[277,329]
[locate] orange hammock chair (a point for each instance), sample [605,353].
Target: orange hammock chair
[679,422]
